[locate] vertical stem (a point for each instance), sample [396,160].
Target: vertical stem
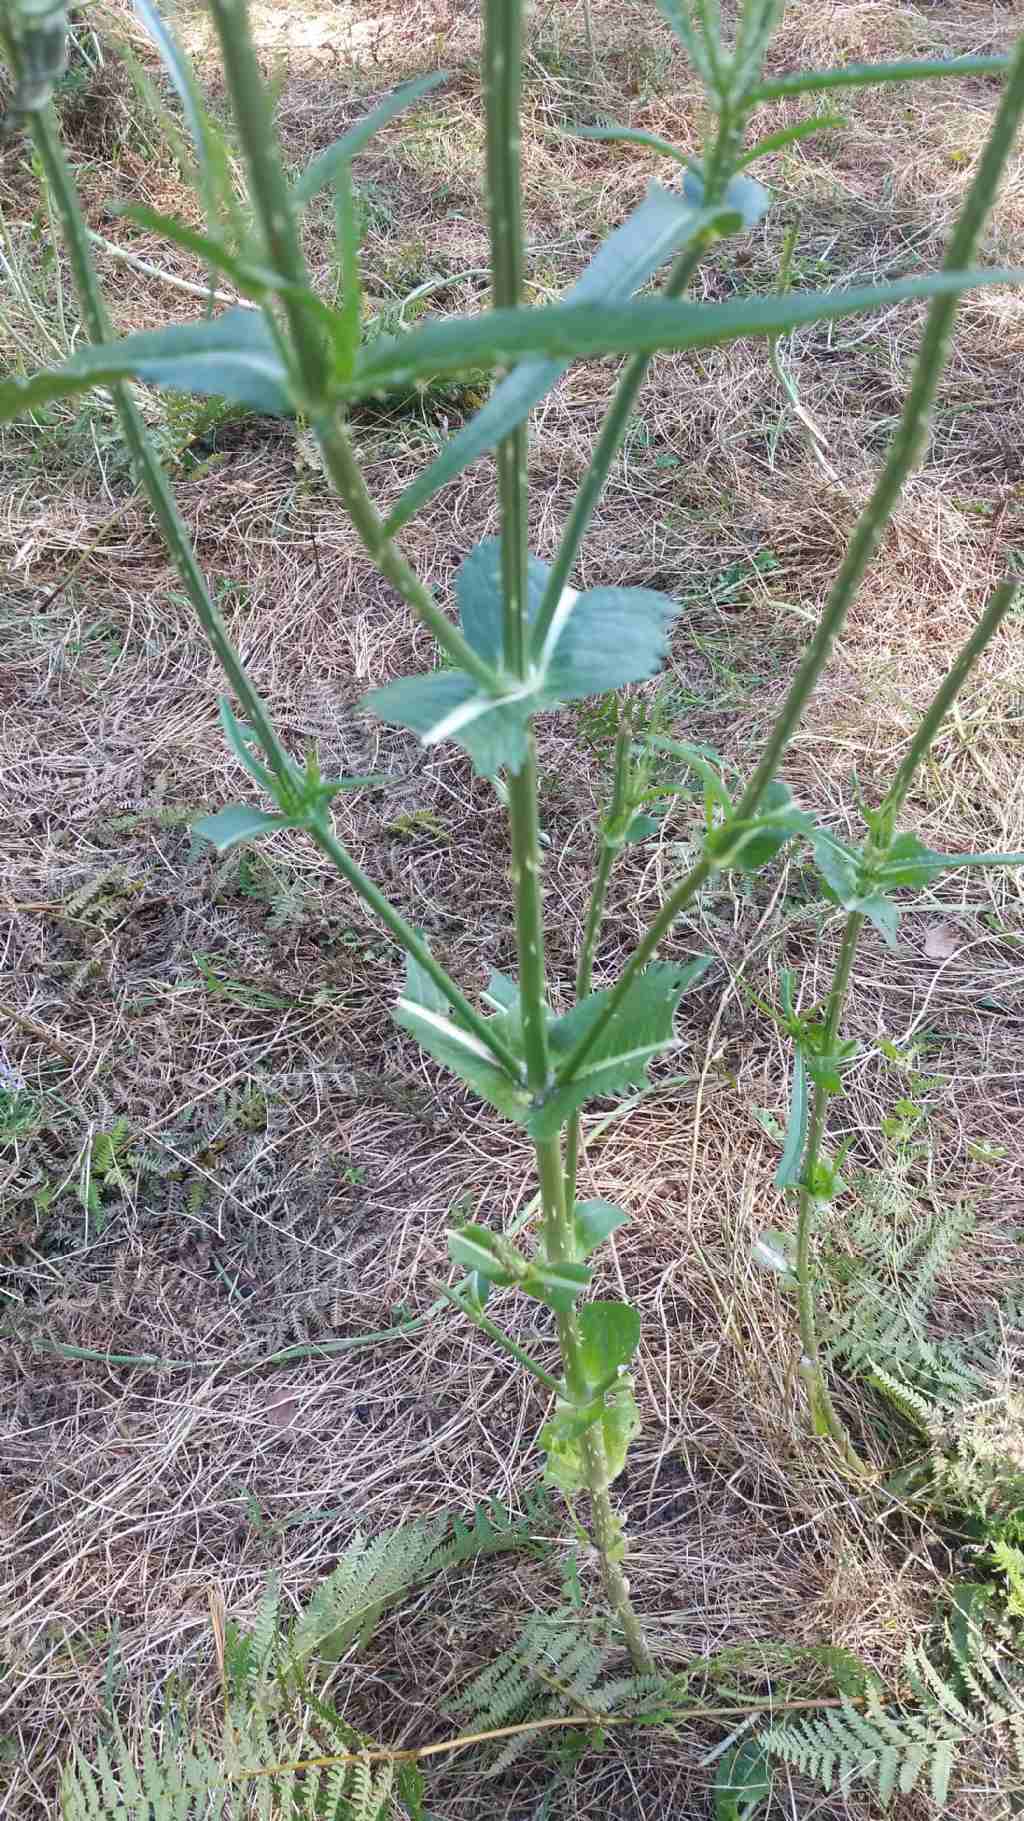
[268,187]
[148,470]
[909,439]
[526,862]
[611,843]
[608,1537]
[823,1409]
[276,214]
[999,605]
[902,456]
[503,86]
[826,1418]
[503,79]
[502,68]
[607,1530]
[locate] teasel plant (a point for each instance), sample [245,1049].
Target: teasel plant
[526,639]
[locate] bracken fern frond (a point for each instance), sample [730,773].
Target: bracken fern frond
[978,1696]
[557,1665]
[272,1710]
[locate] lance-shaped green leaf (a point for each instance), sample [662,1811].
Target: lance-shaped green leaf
[233,356]
[639,1029]
[662,224]
[556,1284]
[597,641]
[640,829]
[582,331]
[208,140]
[422,1013]
[908,862]
[240,822]
[746,195]
[477,1249]
[242,740]
[700,759]
[450,705]
[480,598]
[604,638]
[422,988]
[609,1336]
[791,135]
[594,1222]
[302,796]
[839,866]
[677,14]
[867,75]
[743,1782]
[245,277]
[825,1060]
[321,174]
[502,992]
[850,882]
[788,1173]
[632,135]
[619,1425]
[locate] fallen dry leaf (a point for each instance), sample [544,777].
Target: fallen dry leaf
[283,1413]
[940,941]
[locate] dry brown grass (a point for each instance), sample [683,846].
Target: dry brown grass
[305,1157]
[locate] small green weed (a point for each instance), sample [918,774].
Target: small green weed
[417,824]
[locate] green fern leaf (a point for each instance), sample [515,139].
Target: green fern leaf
[896,1748]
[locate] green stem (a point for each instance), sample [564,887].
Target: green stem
[718,170]
[826,1418]
[503,80]
[908,442]
[608,1533]
[610,848]
[526,862]
[606,449]
[608,1536]
[503,88]
[346,477]
[502,55]
[999,605]
[268,187]
[275,211]
[157,489]
[903,454]
[147,468]
[492,1330]
[823,1410]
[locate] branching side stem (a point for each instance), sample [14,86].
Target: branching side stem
[824,1413]
[155,484]
[903,455]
